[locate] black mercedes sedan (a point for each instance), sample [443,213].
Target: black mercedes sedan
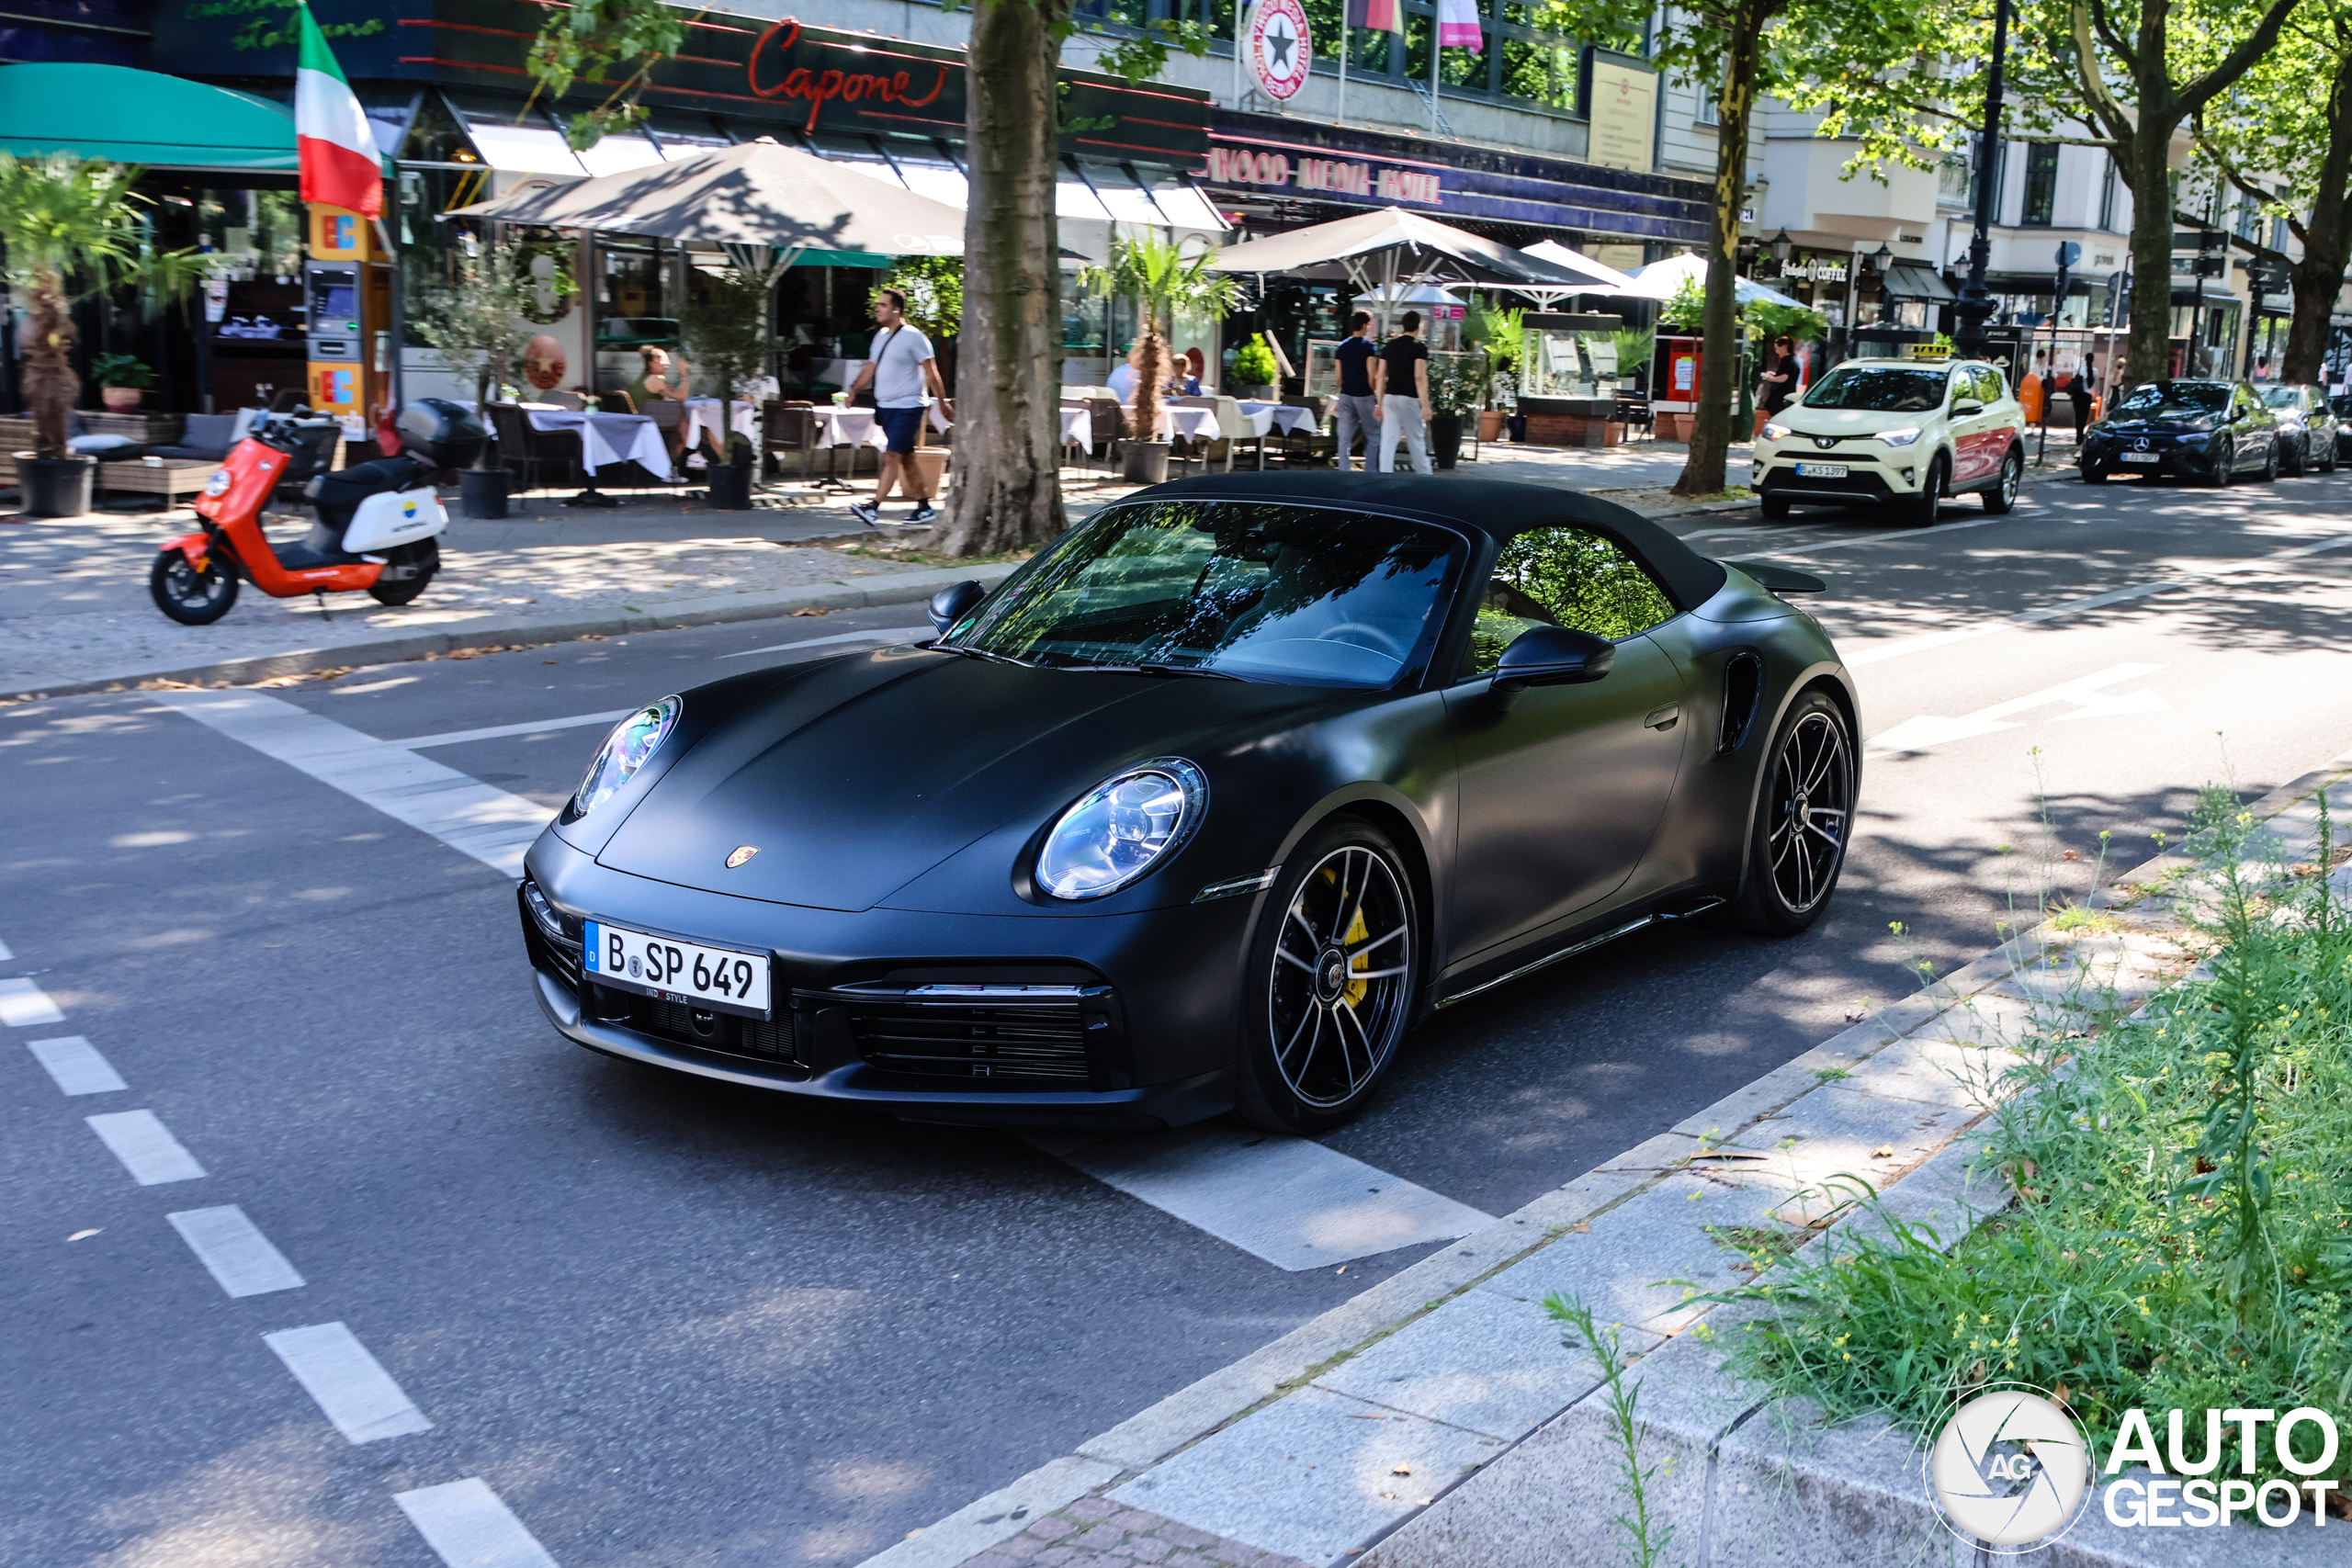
[2309,429]
[2211,430]
[1202,808]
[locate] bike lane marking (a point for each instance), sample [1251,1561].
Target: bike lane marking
[145,1147]
[465,1523]
[233,1249]
[76,1065]
[350,1385]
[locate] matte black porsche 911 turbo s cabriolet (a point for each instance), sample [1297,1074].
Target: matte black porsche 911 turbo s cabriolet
[1202,808]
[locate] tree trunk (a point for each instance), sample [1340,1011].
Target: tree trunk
[1710,432]
[2148,170]
[50,383]
[1008,454]
[1151,374]
[2327,239]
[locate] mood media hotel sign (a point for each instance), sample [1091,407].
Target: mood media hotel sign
[1264,167]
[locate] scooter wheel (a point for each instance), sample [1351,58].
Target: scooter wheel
[402,592]
[193,597]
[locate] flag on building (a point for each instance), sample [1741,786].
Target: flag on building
[340,164]
[1457,25]
[1381,16]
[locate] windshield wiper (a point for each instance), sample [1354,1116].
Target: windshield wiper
[982,653]
[1153,670]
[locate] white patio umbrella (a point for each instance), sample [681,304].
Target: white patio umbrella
[1605,280]
[1663,280]
[1375,251]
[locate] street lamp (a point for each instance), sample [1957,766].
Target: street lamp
[1781,245]
[1975,305]
[1882,259]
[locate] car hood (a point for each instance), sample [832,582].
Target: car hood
[1851,422]
[2154,427]
[855,776]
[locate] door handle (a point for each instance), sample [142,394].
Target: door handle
[1663,718]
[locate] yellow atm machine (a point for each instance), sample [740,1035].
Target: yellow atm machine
[347,290]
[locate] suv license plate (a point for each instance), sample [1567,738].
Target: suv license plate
[1821,470]
[719,979]
[2139,456]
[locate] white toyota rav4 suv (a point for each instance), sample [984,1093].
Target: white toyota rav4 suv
[1901,433]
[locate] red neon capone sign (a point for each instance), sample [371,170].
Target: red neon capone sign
[820,87]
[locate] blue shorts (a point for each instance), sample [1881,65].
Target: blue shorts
[900,427]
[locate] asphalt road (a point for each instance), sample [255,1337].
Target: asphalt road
[674,1323]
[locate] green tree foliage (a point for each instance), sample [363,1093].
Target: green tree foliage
[74,230]
[725,330]
[1166,281]
[934,289]
[477,321]
[612,43]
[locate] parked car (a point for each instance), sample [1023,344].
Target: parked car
[1202,808]
[2308,428]
[1899,433]
[2201,430]
[2341,406]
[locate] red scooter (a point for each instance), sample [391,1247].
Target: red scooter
[377,524]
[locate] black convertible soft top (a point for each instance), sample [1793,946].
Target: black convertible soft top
[1496,507]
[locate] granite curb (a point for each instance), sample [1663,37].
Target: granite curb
[1450,1365]
[717,610]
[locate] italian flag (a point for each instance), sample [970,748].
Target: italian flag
[340,164]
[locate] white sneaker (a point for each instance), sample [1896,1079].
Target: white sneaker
[924,513]
[869,516]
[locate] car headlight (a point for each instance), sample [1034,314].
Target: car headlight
[1903,437]
[1121,828]
[1774,430]
[626,749]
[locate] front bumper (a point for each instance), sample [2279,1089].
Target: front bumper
[1874,472]
[2174,457]
[1125,1020]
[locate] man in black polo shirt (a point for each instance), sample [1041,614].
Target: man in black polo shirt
[1402,379]
[1359,411]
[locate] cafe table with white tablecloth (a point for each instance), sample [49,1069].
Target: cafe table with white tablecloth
[1078,426]
[608,438]
[842,427]
[1285,417]
[1192,423]
[702,415]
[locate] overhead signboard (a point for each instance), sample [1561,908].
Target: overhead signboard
[1278,50]
[1620,108]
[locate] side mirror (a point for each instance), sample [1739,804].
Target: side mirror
[1550,656]
[953,602]
[1963,410]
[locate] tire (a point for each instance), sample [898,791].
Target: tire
[1791,876]
[2333,457]
[1775,506]
[2094,476]
[2225,467]
[426,553]
[2270,465]
[1313,1054]
[1922,507]
[2302,459]
[2003,497]
[192,598]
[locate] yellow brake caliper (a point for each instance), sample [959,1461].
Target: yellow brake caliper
[1357,932]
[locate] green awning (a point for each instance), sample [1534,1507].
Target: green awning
[140,116]
[843,258]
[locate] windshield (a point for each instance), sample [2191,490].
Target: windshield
[1884,391]
[2175,399]
[2283,397]
[1293,594]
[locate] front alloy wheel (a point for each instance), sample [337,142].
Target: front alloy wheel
[2225,464]
[1804,817]
[1335,975]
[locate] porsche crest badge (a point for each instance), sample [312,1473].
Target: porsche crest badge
[741,853]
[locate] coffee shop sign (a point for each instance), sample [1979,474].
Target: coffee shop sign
[1241,166]
[1819,269]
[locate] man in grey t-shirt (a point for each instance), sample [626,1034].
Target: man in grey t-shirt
[900,368]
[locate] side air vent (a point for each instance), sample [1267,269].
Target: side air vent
[1743,693]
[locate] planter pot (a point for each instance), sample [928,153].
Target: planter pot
[1445,440]
[1490,424]
[481,493]
[730,486]
[1518,424]
[931,464]
[1144,462]
[1675,426]
[120,400]
[1262,394]
[54,487]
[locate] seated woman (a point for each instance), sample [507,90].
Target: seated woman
[659,393]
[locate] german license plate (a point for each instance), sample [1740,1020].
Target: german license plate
[720,979]
[2140,456]
[1821,470]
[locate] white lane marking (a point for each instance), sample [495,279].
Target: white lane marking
[889,633]
[500,731]
[350,1385]
[76,1065]
[490,825]
[1289,1200]
[23,1004]
[233,1248]
[1839,543]
[2084,694]
[470,1528]
[145,1147]
[1872,653]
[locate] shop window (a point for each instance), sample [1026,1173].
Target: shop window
[1704,105]
[632,281]
[2040,184]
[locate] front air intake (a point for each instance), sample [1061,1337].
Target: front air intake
[1743,693]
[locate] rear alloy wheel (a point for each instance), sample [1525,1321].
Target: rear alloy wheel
[1804,814]
[2003,496]
[1923,506]
[1332,982]
[192,595]
[2270,464]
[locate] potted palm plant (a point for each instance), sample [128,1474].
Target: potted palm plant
[69,224]
[122,380]
[728,342]
[1165,282]
[478,320]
